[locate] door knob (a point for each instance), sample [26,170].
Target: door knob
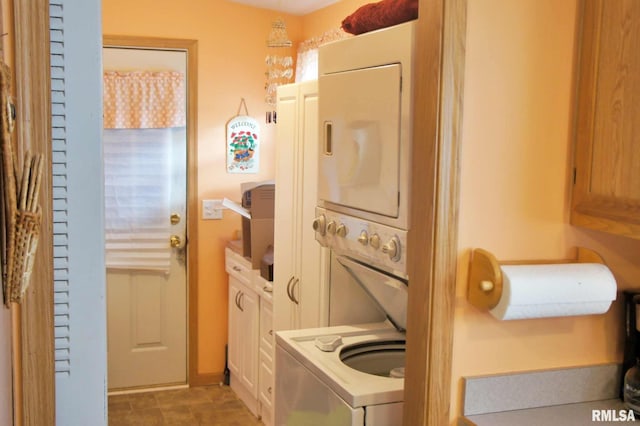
[175,241]
[174,218]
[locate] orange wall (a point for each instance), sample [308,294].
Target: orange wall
[231,51]
[515,191]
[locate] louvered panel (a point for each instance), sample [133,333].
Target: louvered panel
[61,276]
[60,204]
[59,157]
[59,169]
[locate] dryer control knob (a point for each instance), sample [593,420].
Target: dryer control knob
[331,227]
[374,241]
[320,224]
[392,248]
[363,238]
[342,230]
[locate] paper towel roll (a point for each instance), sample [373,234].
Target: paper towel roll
[554,290]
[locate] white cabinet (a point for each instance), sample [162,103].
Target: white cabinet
[243,330]
[299,290]
[266,356]
[251,339]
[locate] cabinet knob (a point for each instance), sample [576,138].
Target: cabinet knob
[293,289]
[289,288]
[270,390]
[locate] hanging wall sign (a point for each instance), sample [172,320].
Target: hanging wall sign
[243,143]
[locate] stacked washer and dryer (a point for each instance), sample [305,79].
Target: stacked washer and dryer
[352,372]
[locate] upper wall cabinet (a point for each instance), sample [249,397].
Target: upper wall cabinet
[606,193]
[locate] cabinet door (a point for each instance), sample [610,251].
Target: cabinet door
[234,358]
[606,194]
[249,339]
[266,380]
[309,291]
[285,256]
[266,327]
[297,255]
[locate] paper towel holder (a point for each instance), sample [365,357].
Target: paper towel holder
[485,276]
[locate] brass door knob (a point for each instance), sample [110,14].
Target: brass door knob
[175,241]
[175,218]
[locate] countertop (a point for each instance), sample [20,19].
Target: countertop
[235,246]
[575,396]
[578,414]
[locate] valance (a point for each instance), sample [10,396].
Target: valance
[144,99]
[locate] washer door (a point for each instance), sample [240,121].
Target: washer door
[389,292]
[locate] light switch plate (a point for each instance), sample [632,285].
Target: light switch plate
[212,209]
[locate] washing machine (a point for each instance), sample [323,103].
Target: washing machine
[350,374]
[344,375]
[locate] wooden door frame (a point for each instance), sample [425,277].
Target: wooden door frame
[191,48]
[34,402]
[433,237]
[36,399]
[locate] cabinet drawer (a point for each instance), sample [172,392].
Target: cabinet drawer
[265,380]
[266,328]
[237,266]
[263,287]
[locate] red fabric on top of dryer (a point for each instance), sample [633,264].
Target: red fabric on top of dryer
[386,13]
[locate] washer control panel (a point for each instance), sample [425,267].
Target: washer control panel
[380,245]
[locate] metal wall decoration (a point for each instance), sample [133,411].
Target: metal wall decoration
[243,143]
[279,65]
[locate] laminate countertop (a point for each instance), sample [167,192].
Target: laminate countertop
[605,412]
[576,396]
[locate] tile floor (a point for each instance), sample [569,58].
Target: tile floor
[198,406]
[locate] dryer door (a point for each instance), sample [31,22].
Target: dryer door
[360,150]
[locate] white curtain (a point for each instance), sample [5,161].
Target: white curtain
[307,55]
[137,170]
[144,119]
[307,65]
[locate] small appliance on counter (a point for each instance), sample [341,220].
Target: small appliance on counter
[266,264]
[257,209]
[631,362]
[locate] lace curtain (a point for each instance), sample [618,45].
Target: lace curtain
[307,59]
[144,120]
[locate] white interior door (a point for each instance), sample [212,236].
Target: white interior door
[146,308]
